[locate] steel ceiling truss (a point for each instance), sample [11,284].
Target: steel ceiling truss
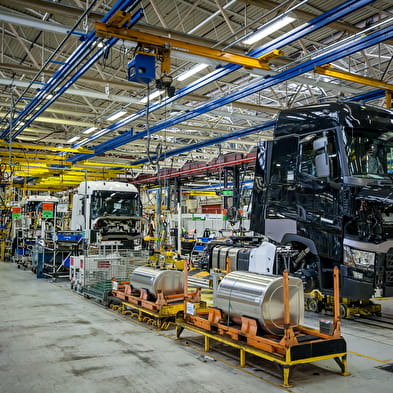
[299,32]
[345,50]
[306,94]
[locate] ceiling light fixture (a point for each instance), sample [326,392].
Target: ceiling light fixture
[89,130]
[192,71]
[153,95]
[82,142]
[268,29]
[101,132]
[73,139]
[116,115]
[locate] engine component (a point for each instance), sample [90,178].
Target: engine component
[238,257]
[260,297]
[168,282]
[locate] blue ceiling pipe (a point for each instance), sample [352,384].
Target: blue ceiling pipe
[371,95]
[345,50]
[299,32]
[74,60]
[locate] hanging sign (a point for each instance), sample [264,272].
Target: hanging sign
[47,210]
[16,213]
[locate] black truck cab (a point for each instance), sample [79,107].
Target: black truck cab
[327,176]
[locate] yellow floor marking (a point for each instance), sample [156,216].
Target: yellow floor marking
[367,357]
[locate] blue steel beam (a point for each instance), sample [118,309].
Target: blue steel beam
[295,34]
[371,95]
[345,50]
[58,77]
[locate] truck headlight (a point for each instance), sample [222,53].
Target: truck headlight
[357,258]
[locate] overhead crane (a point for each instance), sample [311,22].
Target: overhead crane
[149,46]
[364,80]
[164,44]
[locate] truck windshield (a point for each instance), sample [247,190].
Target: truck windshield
[369,154]
[114,203]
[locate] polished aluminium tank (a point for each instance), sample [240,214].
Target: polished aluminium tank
[169,282]
[260,296]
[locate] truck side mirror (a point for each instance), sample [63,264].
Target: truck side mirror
[321,157]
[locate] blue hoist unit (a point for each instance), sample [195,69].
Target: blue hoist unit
[142,69]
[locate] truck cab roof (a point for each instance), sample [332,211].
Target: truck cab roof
[300,121]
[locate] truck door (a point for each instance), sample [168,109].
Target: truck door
[318,193]
[280,211]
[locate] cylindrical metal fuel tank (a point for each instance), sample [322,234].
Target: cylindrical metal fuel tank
[169,282]
[260,296]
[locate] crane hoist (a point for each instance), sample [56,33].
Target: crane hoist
[151,47]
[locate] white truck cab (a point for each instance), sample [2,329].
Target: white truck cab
[107,211]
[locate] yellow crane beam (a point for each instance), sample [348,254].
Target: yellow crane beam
[106,165]
[106,30]
[50,159]
[17,145]
[364,80]
[42,173]
[37,156]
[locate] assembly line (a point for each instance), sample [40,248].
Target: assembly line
[196,196]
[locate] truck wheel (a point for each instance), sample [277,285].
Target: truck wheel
[343,311]
[314,305]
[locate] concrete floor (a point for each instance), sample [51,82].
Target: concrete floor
[52,340]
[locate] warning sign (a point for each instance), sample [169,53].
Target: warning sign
[47,206]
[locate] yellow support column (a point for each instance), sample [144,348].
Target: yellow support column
[207,344]
[388,99]
[2,251]
[242,357]
[285,376]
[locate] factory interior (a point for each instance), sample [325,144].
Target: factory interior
[196,196]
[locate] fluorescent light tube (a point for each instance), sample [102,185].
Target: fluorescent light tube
[89,130]
[83,141]
[101,132]
[191,71]
[153,95]
[73,139]
[268,29]
[116,115]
